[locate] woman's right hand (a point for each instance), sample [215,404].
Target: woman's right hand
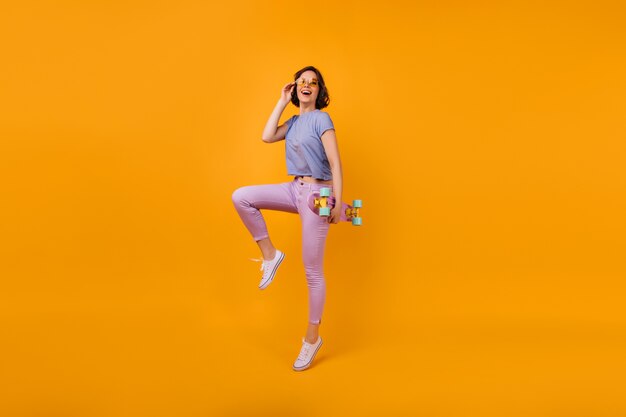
[285,96]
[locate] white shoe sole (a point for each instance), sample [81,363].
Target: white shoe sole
[271,278]
[311,361]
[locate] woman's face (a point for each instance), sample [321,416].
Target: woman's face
[307,87]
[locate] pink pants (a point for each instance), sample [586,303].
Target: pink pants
[290,197]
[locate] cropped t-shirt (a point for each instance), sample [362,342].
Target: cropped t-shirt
[303,145]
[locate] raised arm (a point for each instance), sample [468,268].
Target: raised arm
[272,132]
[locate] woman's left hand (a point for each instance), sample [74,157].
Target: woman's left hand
[335,214]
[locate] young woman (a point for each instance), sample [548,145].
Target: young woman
[313,159]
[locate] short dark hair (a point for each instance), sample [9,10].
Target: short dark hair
[323,99]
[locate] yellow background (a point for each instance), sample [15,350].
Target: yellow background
[486,140]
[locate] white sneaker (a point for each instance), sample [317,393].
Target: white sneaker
[307,353]
[269,268]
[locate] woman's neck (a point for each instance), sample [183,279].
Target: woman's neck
[306,109]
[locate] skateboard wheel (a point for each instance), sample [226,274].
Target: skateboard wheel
[357,203]
[325,192]
[324,211]
[357,221]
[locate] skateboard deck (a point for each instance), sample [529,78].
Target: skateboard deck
[349,213]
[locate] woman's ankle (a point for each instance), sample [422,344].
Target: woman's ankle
[311,341]
[270,255]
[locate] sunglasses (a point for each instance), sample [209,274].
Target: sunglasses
[301,81]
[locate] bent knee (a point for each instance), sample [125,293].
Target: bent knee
[239,195]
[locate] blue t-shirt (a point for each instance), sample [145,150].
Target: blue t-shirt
[303,145]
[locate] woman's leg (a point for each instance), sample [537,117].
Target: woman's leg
[314,232]
[249,201]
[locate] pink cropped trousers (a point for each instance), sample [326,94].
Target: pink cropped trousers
[290,197]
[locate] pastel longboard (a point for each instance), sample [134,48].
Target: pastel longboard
[322,202]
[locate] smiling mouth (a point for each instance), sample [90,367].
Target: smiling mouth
[306,92]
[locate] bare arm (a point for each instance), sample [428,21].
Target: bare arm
[329,140]
[273,133]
